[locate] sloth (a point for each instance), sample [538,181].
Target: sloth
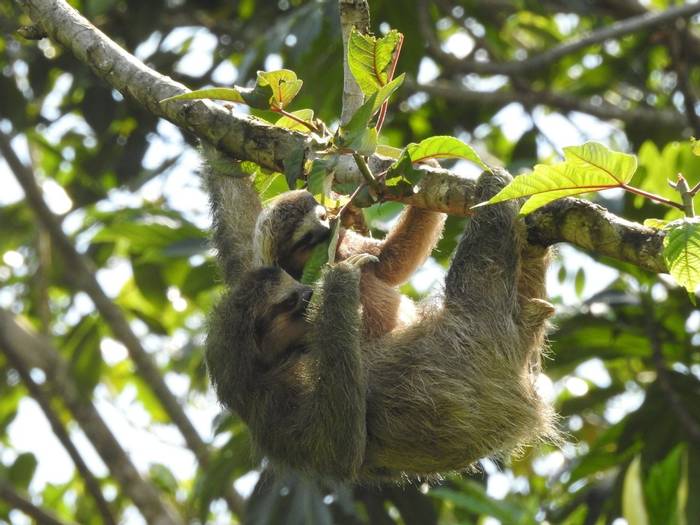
[455,385]
[289,229]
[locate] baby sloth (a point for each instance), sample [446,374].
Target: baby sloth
[454,386]
[287,231]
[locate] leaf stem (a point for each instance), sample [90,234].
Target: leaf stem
[371,181]
[390,77]
[309,125]
[651,196]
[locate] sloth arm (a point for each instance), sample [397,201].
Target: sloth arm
[235,206]
[333,412]
[408,244]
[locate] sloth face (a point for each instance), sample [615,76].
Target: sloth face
[310,230]
[280,322]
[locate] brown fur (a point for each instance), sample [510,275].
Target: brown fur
[453,386]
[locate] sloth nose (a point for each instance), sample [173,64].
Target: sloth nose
[305,296]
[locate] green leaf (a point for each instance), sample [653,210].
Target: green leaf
[682,252]
[662,489]
[294,167]
[320,176]
[403,172]
[383,93]
[284,84]
[21,472]
[472,497]
[444,147]
[163,478]
[272,90]
[633,509]
[312,268]
[658,224]
[369,59]
[307,115]
[356,135]
[149,400]
[388,151]
[322,254]
[695,146]
[230,94]
[587,168]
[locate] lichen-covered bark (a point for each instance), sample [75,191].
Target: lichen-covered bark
[571,220]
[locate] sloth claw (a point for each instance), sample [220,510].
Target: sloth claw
[358,260]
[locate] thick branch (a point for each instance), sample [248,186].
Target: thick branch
[597,107]
[17,341]
[579,222]
[82,271]
[249,139]
[44,401]
[616,30]
[353,13]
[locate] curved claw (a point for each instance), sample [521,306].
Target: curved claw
[358,260]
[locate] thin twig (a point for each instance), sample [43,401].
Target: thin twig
[652,196]
[27,347]
[23,504]
[449,91]
[44,402]
[685,418]
[371,181]
[616,30]
[82,272]
[679,56]
[390,76]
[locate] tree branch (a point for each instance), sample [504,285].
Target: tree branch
[23,504]
[250,139]
[44,401]
[17,342]
[449,91]
[353,13]
[82,272]
[616,30]
[663,375]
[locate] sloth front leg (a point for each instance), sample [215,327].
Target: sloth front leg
[336,412]
[483,275]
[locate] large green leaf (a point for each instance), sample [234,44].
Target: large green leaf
[443,147]
[663,490]
[586,168]
[682,252]
[633,509]
[369,59]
